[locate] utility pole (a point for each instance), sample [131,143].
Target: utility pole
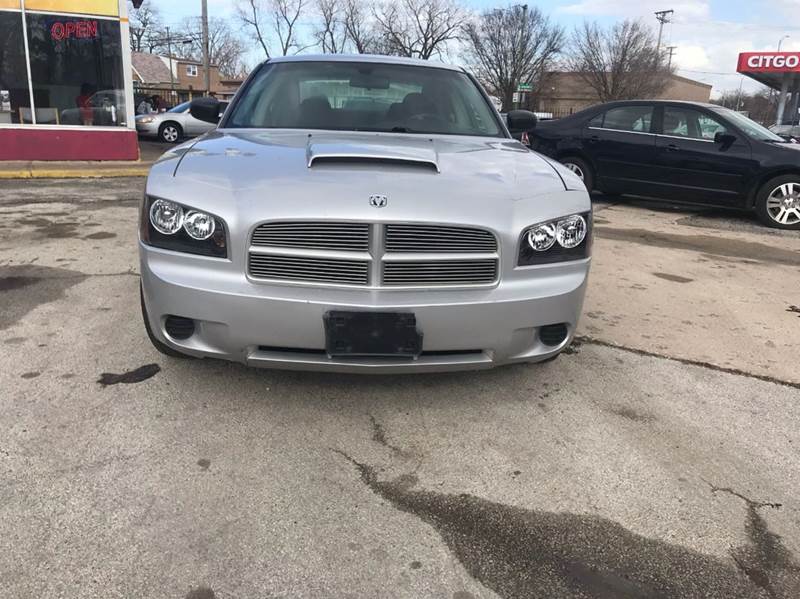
[663,17]
[206,62]
[671,50]
[171,70]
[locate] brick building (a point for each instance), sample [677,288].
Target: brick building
[563,93]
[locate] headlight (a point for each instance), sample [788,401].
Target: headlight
[166,217]
[571,231]
[145,120]
[557,240]
[173,226]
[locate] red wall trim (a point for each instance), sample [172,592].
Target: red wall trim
[67,144]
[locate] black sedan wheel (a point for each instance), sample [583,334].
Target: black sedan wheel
[778,202]
[580,168]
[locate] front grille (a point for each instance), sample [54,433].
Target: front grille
[440,272]
[438,238]
[314,270]
[377,255]
[313,236]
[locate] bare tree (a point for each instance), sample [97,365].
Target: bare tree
[251,13]
[226,48]
[618,63]
[330,31]
[146,27]
[509,46]
[274,21]
[360,27]
[418,28]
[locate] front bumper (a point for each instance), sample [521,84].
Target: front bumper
[147,129]
[281,326]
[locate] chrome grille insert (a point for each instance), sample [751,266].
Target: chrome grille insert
[376,255]
[319,236]
[440,273]
[314,270]
[438,238]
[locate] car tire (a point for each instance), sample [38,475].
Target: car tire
[170,132]
[778,202]
[159,345]
[581,168]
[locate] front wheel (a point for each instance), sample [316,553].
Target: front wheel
[580,168]
[170,133]
[778,202]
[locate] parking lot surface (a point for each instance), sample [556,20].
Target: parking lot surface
[657,458]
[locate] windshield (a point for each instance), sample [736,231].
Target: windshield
[180,107]
[352,96]
[749,127]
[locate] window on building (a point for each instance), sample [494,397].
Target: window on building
[15,98]
[191,70]
[76,70]
[683,122]
[629,118]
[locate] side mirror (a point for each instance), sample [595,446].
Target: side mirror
[206,109]
[724,139]
[521,121]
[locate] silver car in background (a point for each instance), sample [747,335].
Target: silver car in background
[175,124]
[362,214]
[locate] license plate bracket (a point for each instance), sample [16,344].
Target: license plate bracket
[372,334]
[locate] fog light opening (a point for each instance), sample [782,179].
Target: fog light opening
[179,327]
[553,334]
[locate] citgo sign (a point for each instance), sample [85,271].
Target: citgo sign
[769,62]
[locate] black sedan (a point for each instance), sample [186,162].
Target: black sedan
[679,151]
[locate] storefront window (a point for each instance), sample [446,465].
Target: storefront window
[76,71]
[15,98]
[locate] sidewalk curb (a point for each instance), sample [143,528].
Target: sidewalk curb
[66,173]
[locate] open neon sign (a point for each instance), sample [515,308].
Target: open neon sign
[73,29]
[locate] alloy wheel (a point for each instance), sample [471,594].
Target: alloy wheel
[783,204]
[170,134]
[575,169]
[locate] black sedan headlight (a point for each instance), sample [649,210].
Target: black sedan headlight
[558,240]
[172,226]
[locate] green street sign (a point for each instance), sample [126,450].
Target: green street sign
[524,87]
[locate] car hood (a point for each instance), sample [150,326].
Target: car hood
[330,164]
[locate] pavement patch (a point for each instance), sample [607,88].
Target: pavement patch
[24,287]
[519,552]
[201,593]
[101,235]
[674,278]
[130,377]
[706,244]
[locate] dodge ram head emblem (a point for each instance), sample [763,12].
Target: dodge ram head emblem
[378,201]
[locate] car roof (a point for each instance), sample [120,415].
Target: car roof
[417,62]
[646,101]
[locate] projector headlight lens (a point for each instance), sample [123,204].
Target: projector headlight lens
[166,217]
[571,231]
[542,237]
[199,225]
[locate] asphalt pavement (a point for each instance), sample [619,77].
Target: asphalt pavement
[655,459]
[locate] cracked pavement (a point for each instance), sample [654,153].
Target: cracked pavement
[657,459]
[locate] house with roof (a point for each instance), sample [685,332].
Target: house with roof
[177,79]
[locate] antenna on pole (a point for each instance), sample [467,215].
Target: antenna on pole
[663,17]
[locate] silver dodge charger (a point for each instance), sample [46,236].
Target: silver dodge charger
[362,214]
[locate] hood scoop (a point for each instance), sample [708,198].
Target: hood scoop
[418,153]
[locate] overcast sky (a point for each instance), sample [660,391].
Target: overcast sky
[709,34]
